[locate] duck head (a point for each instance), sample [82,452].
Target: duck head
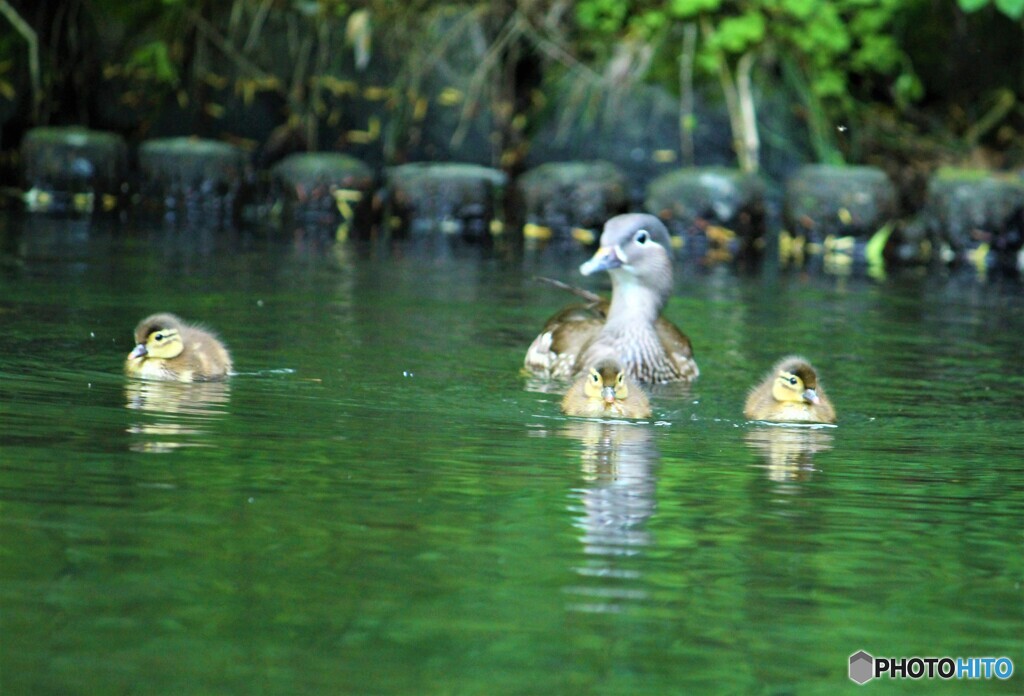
[158,336]
[796,381]
[606,382]
[635,249]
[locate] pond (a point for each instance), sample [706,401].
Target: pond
[378,503]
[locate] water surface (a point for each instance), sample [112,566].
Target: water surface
[376,503]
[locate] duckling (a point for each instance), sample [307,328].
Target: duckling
[606,392]
[790,393]
[635,249]
[170,349]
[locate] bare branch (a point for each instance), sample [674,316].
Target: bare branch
[32,39]
[224,46]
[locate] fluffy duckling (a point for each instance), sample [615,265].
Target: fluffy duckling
[170,349]
[790,393]
[635,249]
[606,392]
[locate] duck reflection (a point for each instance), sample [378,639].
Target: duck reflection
[788,450]
[615,500]
[174,414]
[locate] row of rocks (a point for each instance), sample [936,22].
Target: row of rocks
[840,217]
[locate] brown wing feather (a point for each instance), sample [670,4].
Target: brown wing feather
[674,340]
[677,347]
[576,325]
[553,353]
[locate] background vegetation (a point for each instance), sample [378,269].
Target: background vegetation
[918,81]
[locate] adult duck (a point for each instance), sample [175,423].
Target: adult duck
[636,251]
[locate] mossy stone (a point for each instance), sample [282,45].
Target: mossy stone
[838,201]
[452,197]
[968,212]
[193,160]
[325,187]
[74,159]
[716,212]
[565,199]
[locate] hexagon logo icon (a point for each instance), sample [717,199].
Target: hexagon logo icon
[861,667]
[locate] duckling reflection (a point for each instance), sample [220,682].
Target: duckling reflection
[788,451]
[174,414]
[614,503]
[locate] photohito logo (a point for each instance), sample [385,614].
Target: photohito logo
[864,667]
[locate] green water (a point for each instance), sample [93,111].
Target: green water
[375,503]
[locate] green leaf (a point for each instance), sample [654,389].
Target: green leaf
[1014,9]
[737,34]
[971,5]
[829,30]
[586,15]
[870,21]
[876,245]
[878,53]
[685,9]
[653,19]
[907,88]
[800,9]
[155,56]
[708,61]
[830,83]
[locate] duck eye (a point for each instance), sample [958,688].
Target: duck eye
[641,237]
[158,337]
[594,377]
[792,380]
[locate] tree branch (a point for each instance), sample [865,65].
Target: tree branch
[32,39]
[745,92]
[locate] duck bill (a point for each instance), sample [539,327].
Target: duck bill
[604,259]
[811,396]
[608,394]
[138,352]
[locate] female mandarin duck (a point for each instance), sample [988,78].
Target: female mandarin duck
[790,393]
[606,392]
[170,349]
[636,251]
